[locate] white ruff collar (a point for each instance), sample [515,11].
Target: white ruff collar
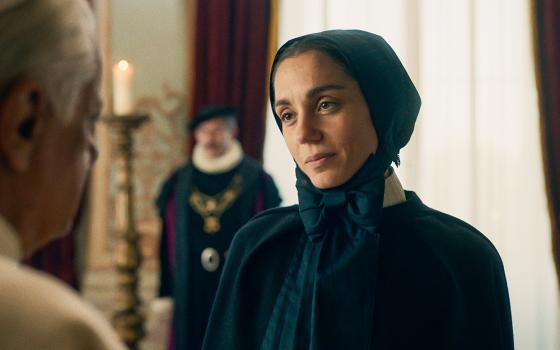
[221,164]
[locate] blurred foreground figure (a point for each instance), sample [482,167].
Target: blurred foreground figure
[359,263]
[49,104]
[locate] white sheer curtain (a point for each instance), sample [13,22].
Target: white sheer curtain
[476,151]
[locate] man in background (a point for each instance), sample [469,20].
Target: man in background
[49,104]
[202,204]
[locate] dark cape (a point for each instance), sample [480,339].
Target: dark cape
[440,284]
[182,275]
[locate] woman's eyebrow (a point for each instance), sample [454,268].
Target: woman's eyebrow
[312,93]
[322,88]
[281,103]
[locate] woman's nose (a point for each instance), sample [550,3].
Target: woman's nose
[307,129]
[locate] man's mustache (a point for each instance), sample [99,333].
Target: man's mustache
[212,145]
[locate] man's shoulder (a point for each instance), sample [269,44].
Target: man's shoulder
[30,291]
[251,163]
[168,184]
[179,171]
[39,306]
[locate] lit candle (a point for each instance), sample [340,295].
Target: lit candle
[122,88]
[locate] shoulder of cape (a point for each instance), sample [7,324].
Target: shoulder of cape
[269,226]
[290,212]
[448,237]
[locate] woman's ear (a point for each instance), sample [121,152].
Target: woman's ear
[20,109]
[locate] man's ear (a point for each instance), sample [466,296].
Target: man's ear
[20,111]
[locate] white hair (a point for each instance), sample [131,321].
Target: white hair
[51,42]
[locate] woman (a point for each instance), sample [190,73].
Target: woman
[360,263]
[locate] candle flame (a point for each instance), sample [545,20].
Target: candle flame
[123,65]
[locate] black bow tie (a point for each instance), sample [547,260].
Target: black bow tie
[356,205]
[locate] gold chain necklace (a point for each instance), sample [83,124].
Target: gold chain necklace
[211,208]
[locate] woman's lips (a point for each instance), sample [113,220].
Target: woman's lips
[318,159]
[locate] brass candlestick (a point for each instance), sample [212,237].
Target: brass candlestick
[127,318]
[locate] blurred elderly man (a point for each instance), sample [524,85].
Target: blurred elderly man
[49,104]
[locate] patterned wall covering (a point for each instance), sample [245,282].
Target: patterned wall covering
[160,148]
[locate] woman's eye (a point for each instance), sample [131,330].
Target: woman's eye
[286,117]
[326,105]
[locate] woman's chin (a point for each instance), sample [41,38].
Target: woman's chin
[325,180]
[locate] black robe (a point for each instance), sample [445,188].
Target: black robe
[440,283]
[183,239]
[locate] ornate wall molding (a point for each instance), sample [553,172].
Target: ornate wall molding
[171,103]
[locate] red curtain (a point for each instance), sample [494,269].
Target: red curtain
[230,63]
[547,13]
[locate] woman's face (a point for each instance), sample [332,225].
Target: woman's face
[325,118]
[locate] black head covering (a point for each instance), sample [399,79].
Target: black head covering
[209,112]
[390,94]
[328,295]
